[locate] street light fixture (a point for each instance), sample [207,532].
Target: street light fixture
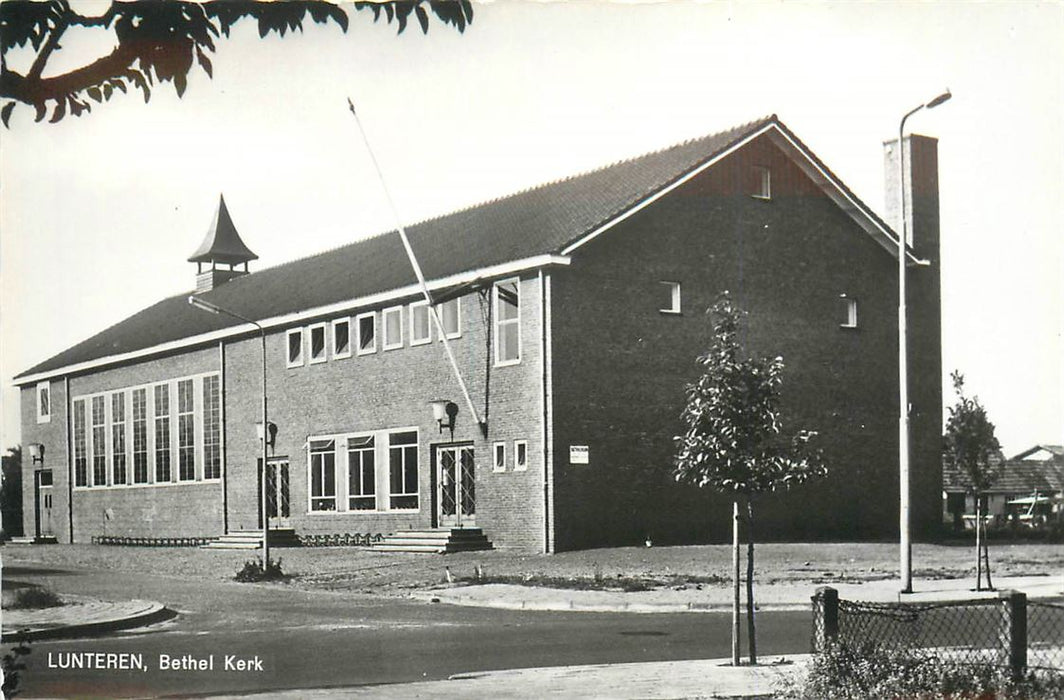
[905,534]
[207,306]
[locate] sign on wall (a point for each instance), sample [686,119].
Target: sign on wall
[578,454]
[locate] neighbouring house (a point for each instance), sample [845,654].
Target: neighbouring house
[1029,489]
[575,311]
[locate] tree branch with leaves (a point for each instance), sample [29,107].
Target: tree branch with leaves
[159,42]
[734,441]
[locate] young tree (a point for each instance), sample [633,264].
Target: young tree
[11,493]
[970,446]
[158,42]
[734,442]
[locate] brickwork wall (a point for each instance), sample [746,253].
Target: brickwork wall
[54,438]
[389,390]
[620,365]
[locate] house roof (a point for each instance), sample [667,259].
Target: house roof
[537,225]
[1054,452]
[1017,477]
[222,242]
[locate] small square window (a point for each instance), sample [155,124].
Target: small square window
[520,455]
[499,450]
[451,318]
[341,335]
[366,325]
[392,320]
[849,312]
[44,402]
[420,323]
[762,183]
[671,297]
[317,343]
[295,347]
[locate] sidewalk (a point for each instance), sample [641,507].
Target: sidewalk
[778,596]
[81,617]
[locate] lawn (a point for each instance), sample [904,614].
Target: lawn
[359,569]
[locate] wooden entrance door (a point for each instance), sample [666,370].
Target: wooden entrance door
[456,484]
[45,527]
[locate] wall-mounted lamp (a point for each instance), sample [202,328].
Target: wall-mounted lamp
[444,412]
[36,452]
[272,439]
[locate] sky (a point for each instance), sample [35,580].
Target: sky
[98,215]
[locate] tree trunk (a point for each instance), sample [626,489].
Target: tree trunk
[986,556]
[978,544]
[736,627]
[751,636]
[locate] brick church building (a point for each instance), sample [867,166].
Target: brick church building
[574,311]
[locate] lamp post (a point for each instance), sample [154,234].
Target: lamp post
[905,534]
[215,309]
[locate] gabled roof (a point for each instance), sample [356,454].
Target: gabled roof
[222,242]
[528,229]
[1055,452]
[1017,477]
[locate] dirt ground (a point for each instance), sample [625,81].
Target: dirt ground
[360,569]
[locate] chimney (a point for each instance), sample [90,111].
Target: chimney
[921,193]
[221,246]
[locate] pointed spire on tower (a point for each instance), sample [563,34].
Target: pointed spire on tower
[221,246]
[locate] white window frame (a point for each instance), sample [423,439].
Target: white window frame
[45,388]
[375,450]
[498,323]
[414,340]
[298,362]
[519,464]
[675,301]
[850,308]
[334,325]
[357,336]
[387,434]
[311,330]
[336,497]
[385,345]
[457,333]
[498,457]
[763,183]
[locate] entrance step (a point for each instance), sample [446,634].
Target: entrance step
[252,539]
[434,541]
[43,539]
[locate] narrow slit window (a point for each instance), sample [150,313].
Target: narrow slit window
[366,327]
[499,465]
[849,312]
[44,403]
[118,438]
[420,323]
[508,322]
[361,473]
[520,455]
[670,303]
[402,468]
[322,475]
[317,343]
[762,183]
[341,335]
[451,318]
[295,347]
[392,320]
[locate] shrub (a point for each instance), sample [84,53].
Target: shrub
[869,671]
[35,598]
[253,572]
[13,664]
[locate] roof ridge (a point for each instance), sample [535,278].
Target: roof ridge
[503,197]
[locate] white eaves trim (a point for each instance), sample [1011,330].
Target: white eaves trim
[831,186]
[504,269]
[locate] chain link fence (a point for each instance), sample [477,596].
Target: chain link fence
[1006,632]
[1045,635]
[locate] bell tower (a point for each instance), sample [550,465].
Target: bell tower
[221,246]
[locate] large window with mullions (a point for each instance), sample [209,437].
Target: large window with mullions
[507,322]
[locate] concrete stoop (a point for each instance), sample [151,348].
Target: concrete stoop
[252,539]
[435,541]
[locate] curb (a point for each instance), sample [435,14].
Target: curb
[156,612]
[574,606]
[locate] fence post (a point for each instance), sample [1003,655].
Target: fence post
[825,617]
[1014,608]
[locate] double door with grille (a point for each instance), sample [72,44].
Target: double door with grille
[456,486]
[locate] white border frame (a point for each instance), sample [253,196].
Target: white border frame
[518,465]
[457,301]
[675,296]
[495,465]
[850,307]
[763,183]
[46,386]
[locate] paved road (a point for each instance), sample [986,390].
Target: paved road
[321,639]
